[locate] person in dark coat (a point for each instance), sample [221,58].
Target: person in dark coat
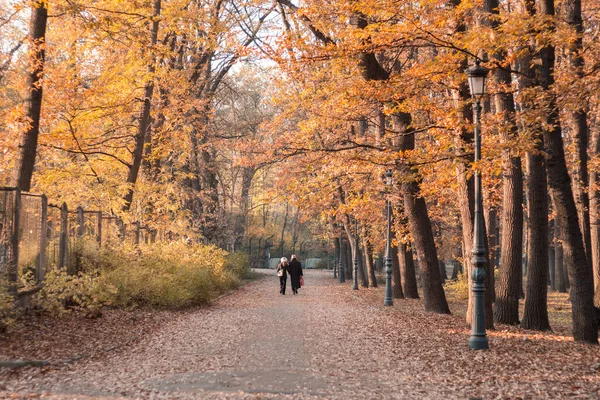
[282,273]
[295,270]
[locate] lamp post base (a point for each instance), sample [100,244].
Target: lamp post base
[478,343]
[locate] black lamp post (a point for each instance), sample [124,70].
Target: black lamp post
[388,248]
[478,339]
[355,285]
[341,274]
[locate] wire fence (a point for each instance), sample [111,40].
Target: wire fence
[36,236]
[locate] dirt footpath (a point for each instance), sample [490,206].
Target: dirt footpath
[327,342]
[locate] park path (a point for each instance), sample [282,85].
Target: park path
[328,342]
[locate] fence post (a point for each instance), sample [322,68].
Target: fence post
[40,273]
[64,236]
[121,228]
[137,233]
[153,236]
[13,261]
[99,228]
[80,222]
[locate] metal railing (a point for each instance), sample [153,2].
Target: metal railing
[36,235]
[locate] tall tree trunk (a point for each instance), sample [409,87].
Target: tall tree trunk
[336,258]
[144,114]
[551,249]
[552,265]
[433,292]
[407,272]
[594,186]
[283,227]
[211,228]
[396,282]
[580,133]
[33,101]
[466,191]
[506,309]
[535,315]
[348,260]
[362,276]
[242,222]
[536,300]
[585,323]
[491,219]
[559,266]
[420,226]
[368,248]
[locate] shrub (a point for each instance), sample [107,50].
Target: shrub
[7,308]
[321,264]
[161,275]
[460,287]
[238,263]
[84,292]
[167,276]
[175,275]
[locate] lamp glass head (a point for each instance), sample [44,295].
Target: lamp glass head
[477,75]
[389,178]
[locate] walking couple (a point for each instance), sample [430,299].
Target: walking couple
[294,269]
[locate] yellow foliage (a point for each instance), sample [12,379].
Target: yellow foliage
[172,275]
[84,292]
[460,287]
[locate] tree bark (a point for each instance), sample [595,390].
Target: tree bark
[33,102]
[594,186]
[535,315]
[362,276]
[348,260]
[552,265]
[144,114]
[580,132]
[420,224]
[493,235]
[506,308]
[433,292]
[408,272]
[285,220]
[585,323]
[368,248]
[336,258]
[397,292]
[466,190]
[536,304]
[559,266]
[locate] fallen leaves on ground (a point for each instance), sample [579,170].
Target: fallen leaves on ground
[327,342]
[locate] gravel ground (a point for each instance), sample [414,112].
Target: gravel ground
[327,342]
